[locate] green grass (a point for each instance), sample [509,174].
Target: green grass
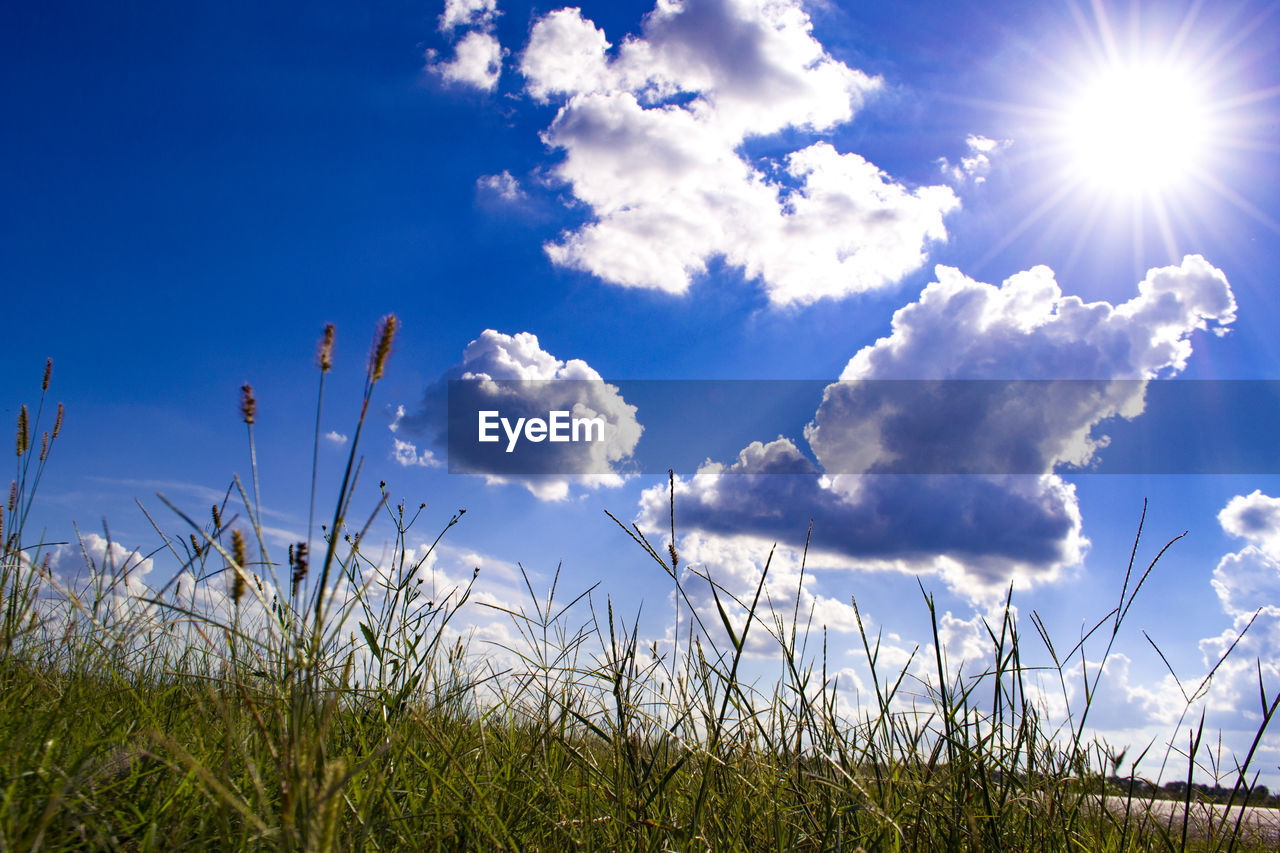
[259,714]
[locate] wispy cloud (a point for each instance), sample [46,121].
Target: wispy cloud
[406,453]
[976,165]
[200,492]
[502,185]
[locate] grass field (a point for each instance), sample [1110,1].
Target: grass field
[260,714]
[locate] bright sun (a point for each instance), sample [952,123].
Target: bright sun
[1136,129]
[1143,129]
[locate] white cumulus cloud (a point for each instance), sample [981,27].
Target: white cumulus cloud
[1247,583]
[735,565]
[1256,518]
[467,13]
[477,55]
[94,559]
[513,375]
[477,62]
[652,136]
[981,531]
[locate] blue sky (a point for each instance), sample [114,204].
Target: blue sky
[707,190]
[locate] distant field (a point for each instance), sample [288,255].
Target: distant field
[1258,824]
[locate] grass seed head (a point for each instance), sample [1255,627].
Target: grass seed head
[24,436]
[13,496]
[325,354]
[238,554]
[299,565]
[48,372]
[383,337]
[57,423]
[248,405]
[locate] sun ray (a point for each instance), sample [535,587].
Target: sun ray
[1178,43]
[1097,207]
[1160,212]
[1226,47]
[1139,237]
[1240,202]
[1039,212]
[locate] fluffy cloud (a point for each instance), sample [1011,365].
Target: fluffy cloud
[1255,518]
[477,61]
[977,533]
[1256,649]
[96,584]
[749,68]
[95,560]
[1126,709]
[1026,328]
[1247,583]
[976,165]
[735,565]
[101,583]
[467,13]
[1151,715]
[652,137]
[1023,329]
[565,54]
[513,375]
[982,531]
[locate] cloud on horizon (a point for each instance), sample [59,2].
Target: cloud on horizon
[1247,583]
